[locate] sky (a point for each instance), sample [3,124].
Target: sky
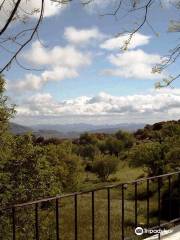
[86,76]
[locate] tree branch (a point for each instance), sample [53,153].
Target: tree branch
[29,40]
[10,17]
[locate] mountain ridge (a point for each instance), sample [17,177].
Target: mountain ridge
[71,130]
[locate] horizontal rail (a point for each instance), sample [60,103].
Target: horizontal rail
[91,190]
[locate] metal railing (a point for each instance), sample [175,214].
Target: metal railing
[157,180]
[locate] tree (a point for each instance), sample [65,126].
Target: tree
[126,138]
[104,166]
[173,154]
[150,156]
[66,166]
[6,139]
[173,158]
[29,172]
[28,30]
[32,171]
[6,111]
[111,146]
[87,138]
[88,152]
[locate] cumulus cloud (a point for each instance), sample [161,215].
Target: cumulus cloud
[133,64]
[33,82]
[60,62]
[158,104]
[66,56]
[82,36]
[119,42]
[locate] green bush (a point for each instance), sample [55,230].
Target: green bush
[104,165]
[150,156]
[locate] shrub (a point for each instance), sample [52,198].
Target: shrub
[150,156]
[104,166]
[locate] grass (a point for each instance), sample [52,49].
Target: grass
[124,174]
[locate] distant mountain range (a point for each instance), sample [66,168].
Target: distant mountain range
[72,130]
[83,127]
[19,129]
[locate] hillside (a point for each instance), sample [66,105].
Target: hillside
[19,129]
[72,130]
[83,127]
[141,131]
[158,130]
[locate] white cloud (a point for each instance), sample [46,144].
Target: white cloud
[64,56]
[82,36]
[60,62]
[59,73]
[133,64]
[30,82]
[156,104]
[117,43]
[33,82]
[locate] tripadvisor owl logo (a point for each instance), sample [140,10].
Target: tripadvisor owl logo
[139,231]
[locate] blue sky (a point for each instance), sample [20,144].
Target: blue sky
[86,77]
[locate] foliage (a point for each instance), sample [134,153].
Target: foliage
[158,147]
[87,138]
[150,156]
[111,146]
[6,111]
[104,166]
[159,131]
[173,155]
[66,166]
[126,138]
[36,171]
[88,151]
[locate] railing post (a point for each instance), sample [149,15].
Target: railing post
[169,198]
[178,195]
[147,203]
[75,218]
[159,205]
[93,222]
[13,223]
[109,217]
[37,221]
[135,193]
[122,208]
[57,219]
